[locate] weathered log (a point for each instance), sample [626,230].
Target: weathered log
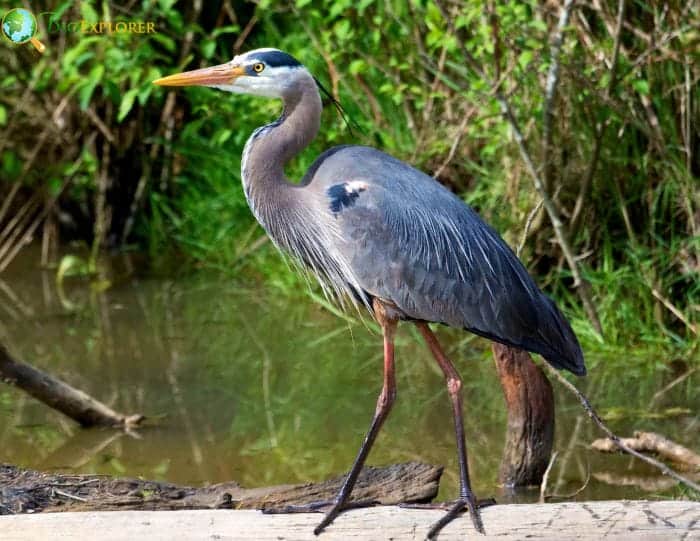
[583,521]
[530,429]
[650,442]
[60,396]
[24,491]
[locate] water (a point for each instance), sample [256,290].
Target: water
[243,383]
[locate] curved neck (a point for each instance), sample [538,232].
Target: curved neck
[266,187]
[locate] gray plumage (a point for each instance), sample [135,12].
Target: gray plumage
[382,234]
[368,225]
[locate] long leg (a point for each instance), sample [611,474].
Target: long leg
[454,386]
[384,402]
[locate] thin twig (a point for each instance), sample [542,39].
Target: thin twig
[600,127]
[675,311]
[68,495]
[461,130]
[549,206]
[615,439]
[575,492]
[27,236]
[551,91]
[545,477]
[244,33]
[680,379]
[528,225]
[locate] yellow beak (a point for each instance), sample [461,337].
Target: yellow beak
[215,75]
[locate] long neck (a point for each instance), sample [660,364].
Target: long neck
[267,189]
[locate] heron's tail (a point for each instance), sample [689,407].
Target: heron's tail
[557,342]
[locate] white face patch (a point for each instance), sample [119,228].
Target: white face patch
[271,82]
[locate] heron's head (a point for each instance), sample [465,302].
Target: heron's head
[261,72]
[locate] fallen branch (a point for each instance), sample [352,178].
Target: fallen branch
[60,396]
[33,491]
[650,442]
[614,438]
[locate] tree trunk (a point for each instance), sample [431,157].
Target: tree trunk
[530,403]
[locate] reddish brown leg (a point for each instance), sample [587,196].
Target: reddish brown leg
[384,402]
[454,386]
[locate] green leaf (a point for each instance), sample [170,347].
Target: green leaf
[3,116]
[525,58]
[11,164]
[167,43]
[127,103]
[230,29]
[208,48]
[88,13]
[88,88]
[641,86]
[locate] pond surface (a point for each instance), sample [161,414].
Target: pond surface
[241,382]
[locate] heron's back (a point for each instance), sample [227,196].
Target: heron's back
[408,240]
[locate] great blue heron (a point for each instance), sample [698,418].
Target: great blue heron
[379,233]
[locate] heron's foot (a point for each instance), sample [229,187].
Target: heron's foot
[445,506]
[454,509]
[330,507]
[337,508]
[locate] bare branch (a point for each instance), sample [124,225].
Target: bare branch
[545,477]
[551,90]
[614,438]
[60,396]
[528,225]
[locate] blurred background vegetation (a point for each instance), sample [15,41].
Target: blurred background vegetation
[92,152]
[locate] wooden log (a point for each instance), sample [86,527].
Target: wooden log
[25,491]
[650,442]
[60,396]
[583,521]
[530,429]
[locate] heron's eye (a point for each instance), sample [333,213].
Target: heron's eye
[258,67]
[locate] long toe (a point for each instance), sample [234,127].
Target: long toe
[311,507]
[338,508]
[475,513]
[330,517]
[457,509]
[446,506]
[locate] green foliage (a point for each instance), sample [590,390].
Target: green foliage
[623,164]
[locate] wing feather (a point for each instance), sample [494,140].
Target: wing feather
[404,238]
[436,260]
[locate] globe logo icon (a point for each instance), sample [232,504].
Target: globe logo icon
[19,26]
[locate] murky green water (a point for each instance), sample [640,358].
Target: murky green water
[242,383]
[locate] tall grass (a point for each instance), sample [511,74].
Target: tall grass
[161,169]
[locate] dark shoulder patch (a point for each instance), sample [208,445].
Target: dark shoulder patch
[344,195]
[276,59]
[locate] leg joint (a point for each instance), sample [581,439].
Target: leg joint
[454,385]
[386,399]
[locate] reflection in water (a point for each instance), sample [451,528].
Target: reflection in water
[242,383]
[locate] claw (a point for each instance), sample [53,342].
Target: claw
[457,508]
[318,507]
[339,508]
